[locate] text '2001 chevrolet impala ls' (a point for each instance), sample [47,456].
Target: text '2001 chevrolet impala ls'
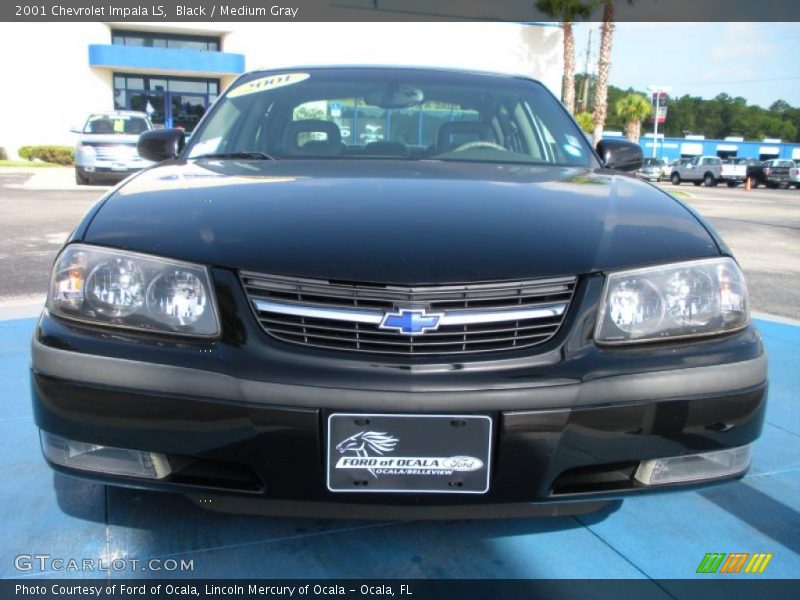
[397,291]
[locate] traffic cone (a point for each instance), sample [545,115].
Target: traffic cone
[747,184]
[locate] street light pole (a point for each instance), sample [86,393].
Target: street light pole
[655,126]
[655,92]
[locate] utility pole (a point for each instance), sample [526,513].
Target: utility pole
[585,90]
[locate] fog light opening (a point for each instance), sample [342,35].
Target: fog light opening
[694,467]
[104,459]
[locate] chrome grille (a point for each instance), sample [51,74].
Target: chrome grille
[474,318]
[113,152]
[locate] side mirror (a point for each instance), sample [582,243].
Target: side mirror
[620,155]
[160,144]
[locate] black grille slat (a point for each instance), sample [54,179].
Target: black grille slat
[341,326]
[447,339]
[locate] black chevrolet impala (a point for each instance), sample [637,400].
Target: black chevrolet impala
[376,292]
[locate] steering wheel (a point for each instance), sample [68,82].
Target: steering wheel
[479,144]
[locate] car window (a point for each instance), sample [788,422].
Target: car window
[116,124]
[391,113]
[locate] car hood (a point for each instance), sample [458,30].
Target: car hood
[403,222]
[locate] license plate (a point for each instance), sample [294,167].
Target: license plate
[444,454]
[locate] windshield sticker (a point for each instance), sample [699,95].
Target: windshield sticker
[573,150]
[267,83]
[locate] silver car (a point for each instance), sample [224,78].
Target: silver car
[106,148]
[699,170]
[651,169]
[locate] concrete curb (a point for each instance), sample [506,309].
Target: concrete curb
[776,319]
[10,312]
[58,179]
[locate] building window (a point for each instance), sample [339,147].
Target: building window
[168,101]
[201,43]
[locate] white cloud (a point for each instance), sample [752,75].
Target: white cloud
[743,40]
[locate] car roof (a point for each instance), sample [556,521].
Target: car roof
[462,70]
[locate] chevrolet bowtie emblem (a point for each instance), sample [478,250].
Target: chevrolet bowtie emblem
[411,322]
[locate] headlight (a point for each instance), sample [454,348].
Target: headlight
[700,297]
[136,291]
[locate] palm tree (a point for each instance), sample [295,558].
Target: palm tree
[567,11]
[584,119]
[633,109]
[603,67]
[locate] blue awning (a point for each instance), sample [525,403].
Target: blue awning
[165,60]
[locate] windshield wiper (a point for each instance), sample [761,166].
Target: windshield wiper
[240,155]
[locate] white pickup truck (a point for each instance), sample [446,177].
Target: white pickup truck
[734,171]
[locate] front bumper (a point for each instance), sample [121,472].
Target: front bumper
[108,173]
[232,441]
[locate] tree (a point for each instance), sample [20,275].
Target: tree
[633,109]
[603,67]
[780,106]
[586,122]
[567,11]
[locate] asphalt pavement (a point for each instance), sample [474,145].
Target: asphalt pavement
[761,226]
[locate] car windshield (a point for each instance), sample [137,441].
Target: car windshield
[651,162]
[359,113]
[116,124]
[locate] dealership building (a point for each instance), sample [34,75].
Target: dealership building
[697,145]
[57,73]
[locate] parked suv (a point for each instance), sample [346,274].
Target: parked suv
[700,169]
[106,148]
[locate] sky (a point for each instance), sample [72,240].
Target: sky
[758,61]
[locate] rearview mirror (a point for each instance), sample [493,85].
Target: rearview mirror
[620,155]
[395,96]
[161,144]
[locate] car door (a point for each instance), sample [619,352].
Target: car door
[690,169]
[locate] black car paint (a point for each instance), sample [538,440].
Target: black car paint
[403,222]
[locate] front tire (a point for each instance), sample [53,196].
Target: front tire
[675,179]
[709,180]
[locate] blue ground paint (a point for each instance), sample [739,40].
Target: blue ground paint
[658,536]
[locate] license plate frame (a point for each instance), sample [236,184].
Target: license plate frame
[408,453]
